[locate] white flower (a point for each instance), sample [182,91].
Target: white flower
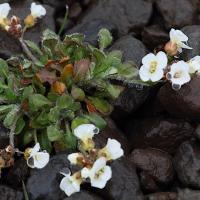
[113,150]
[85,132]
[179,73]
[4,10]
[153,66]
[99,174]
[37,10]
[70,184]
[194,65]
[73,157]
[37,159]
[178,37]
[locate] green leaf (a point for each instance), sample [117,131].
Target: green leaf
[53,96]
[114,91]
[28,136]
[77,93]
[19,125]
[116,54]
[11,116]
[96,120]
[49,33]
[27,92]
[38,100]
[3,68]
[81,52]
[98,56]
[54,114]
[3,86]
[3,116]
[75,106]
[64,101]
[70,140]
[6,108]
[128,69]
[43,118]
[33,46]
[105,38]
[45,143]
[34,123]
[76,37]
[53,132]
[101,105]
[77,122]
[50,46]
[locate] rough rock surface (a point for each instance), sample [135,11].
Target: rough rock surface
[187,163]
[8,44]
[147,183]
[193,33]
[18,172]
[6,193]
[162,196]
[58,4]
[177,13]
[161,133]
[43,184]
[183,103]
[153,36]
[156,164]
[83,194]
[111,131]
[124,184]
[134,15]
[188,194]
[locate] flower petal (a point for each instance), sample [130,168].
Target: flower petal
[148,59]
[144,73]
[4,10]
[161,60]
[85,172]
[185,46]
[107,173]
[37,10]
[41,159]
[98,183]
[157,75]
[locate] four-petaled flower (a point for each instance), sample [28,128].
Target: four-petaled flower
[194,64]
[178,37]
[37,159]
[112,150]
[70,184]
[99,174]
[179,73]
[152,68]
[37,10]
[4,10]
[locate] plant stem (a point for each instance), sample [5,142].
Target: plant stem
[64,21]
[12,129]
[35,136]
[24,29]
[68,131]
[27,51]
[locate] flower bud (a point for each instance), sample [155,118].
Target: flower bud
[93,153]
[91,144]
[7,28]
[171,48]
[2,162]
[9,149]
[26,153]
[18,28]
[14,20]
[29,21]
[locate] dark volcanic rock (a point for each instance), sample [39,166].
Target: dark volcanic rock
[124,184]
[111,131]
[188,194]
[158,132]
[187,163]
[69,23]
[133,49]
[91,30]
[58,4]
[8,44]
[193,33]
[83,195]
[43,184]
[133,15]
[183,103]
[7,193]
[156,164]
[147,183]
[162,196]
[75,11]
[153,36]
[177,13]
[18,172]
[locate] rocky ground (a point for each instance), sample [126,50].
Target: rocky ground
[157,126]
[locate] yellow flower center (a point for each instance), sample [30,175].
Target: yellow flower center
[177,74]
[152,68]
[97,174]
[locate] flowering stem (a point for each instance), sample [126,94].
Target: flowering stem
[24,29]
[80,148]
[35,136]
[27,51]
[12,130]
[64,21]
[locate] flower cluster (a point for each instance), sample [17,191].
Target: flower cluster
[92,160]
[13,26]
[162,65]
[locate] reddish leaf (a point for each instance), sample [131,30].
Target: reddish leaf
[90,107]
[25,81]
[67,72]
[25,106]
[50,64]
[81,68]
[58,88]
[47,76]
